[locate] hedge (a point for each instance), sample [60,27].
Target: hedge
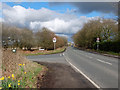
[109,46]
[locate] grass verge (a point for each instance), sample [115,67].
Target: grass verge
[99,51]
[18,72]
[110,53]
[47,53]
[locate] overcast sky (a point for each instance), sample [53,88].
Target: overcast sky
[64,19]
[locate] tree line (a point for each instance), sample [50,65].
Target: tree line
[105,29]
[27,39]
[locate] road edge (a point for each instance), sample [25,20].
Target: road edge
[46,53]
[73,66]
[104,54]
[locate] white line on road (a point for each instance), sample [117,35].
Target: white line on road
[88,56]
[104,62]
[81,72]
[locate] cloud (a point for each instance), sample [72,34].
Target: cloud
[0,9]
[68,36]
[58,25]
[1,19]
[63,35]
[36,19]
[88,7]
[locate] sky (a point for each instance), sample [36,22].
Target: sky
[63,18]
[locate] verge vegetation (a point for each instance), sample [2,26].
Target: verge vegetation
[104,29]
[18,72]
[37,52]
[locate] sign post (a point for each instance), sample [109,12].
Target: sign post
[54,41]
[98,40]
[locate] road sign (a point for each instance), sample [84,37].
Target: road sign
[54,39]
[98,40]
[14,50]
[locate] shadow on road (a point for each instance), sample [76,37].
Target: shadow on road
[63,76]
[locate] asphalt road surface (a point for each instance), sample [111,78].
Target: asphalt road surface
[64,76]
[101,71]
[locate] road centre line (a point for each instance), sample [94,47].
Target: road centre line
[97,59]
[85,55]
[104,62]
[78,53]
[88,56]
[81,72]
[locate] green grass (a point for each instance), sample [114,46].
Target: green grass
[30,78]
[47,53]
[111,53]
[104,52]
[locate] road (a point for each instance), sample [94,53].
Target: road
[102,71]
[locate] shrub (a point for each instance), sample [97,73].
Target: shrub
[109,46]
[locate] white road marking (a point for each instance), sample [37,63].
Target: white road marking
[97,59]
[84,55]
[88,56]
[104,62]
[81,72]
[79,53]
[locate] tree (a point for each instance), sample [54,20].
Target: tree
[87,35]
[109,30]
[23,37]
[44,38]
[26,39]
[105,29]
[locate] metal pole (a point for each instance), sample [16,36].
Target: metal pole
[97,46]
[54,45]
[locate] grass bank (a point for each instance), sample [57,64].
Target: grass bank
[18,72]
[105,52]
[59,50]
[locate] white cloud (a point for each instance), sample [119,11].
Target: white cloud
[56,25]
[1,20]
[63,35]
[37,19]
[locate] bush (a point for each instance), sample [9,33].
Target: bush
[109,46]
